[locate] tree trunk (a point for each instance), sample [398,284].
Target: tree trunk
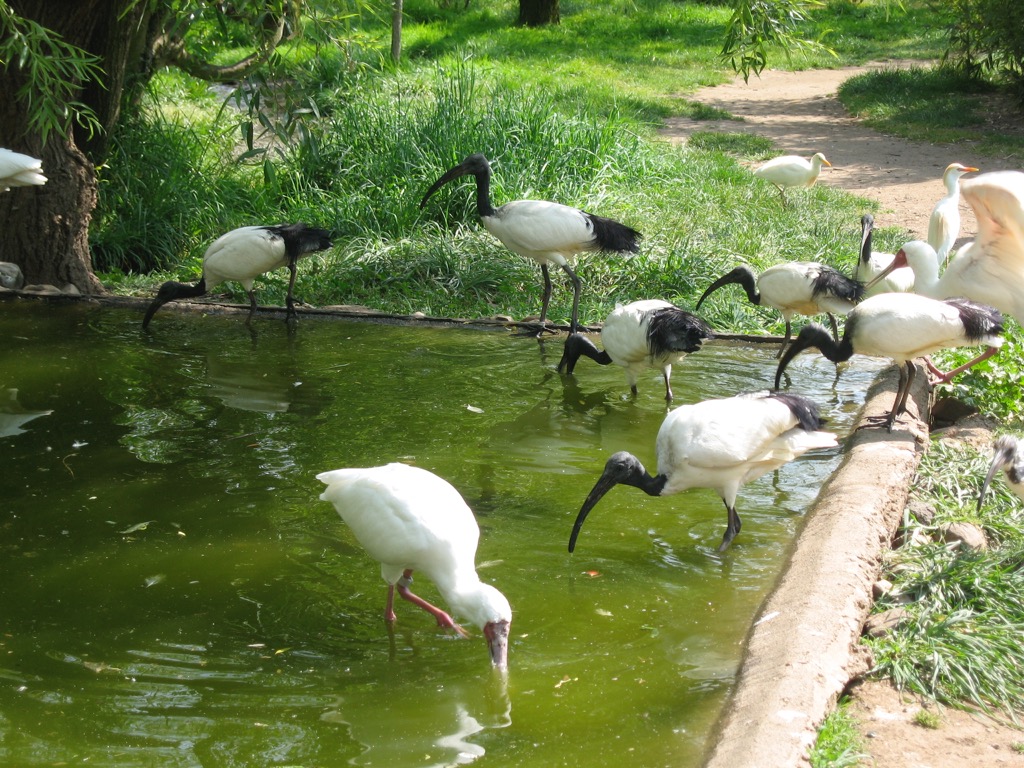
[396,30]
[537,13]
[47,228]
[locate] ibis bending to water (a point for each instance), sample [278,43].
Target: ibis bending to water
[18,170]
[792,171]
[244,254]
[904,326]
[944,223]
[872,264]
[795,288]
[644,334]
[718,444]
[548,233]
[1007,454]
[409,520]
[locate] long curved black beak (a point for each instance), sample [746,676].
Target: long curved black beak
[604,484]
[998,462]
[450,175]
[496,633]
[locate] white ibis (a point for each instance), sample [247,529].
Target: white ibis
[795,288]
[944,223]
[873,263]
[904,326]
[409,520]
[644,334]
[792,171]
[1008,455]
[548,233]
[717,444]
[18,170]
[244,254]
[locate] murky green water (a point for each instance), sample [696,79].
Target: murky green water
[175,594]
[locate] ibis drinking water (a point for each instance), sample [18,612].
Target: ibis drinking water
[873,263]
[18,170]
[944,223]
[548,233]
[410,520]
[244,254]
[795,288]
[791,171]
[1008,455]
[644,334]
[717,444]
[902,327]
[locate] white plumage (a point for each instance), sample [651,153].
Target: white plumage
[792,171]
[873,263]
[244,254]
[18,170]
[795,288]
[944,223]
[902,327]
[643,334]
[548,233]
[717,444]
[1008,455]
[410,520]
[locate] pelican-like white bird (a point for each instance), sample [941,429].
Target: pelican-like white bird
[717,444]
[792,171]
[1008,455]
[872,263]
[902,327]
[795,288]
[644,334]
[548,233]
[244,254]
[944,223]
[18,170]
[410,520]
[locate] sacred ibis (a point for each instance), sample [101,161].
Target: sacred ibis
[873,263]
[410,520]
[548,233]
[902,327]
[644,334]
[717,444]
[1008,455]
[792,171]
[244,254]
[944,223]
[18,170]
[795,288]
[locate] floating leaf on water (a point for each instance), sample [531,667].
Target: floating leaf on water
[138,527]
[78,444]
[602,612]
[473,409]
[152,581]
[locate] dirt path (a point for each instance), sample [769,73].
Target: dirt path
[798,111]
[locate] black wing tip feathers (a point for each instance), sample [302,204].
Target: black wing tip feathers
[672,329]
[803,408]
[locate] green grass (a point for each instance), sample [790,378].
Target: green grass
[839,742]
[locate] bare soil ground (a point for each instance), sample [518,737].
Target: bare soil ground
[798,111]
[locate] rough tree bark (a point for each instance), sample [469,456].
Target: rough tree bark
[537,13]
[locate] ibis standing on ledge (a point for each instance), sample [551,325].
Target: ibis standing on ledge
[409,520]
[644,334]
[792,171]
[904,326]
[18,170]
[795,288]
[944,223]
[872,264]
[244,254]
[719,444]
[1007,454]
[548,233]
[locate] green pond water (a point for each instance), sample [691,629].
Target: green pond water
[174,593]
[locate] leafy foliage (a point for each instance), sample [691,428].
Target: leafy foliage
[759,26]
[987,38]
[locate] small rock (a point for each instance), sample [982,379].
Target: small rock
[968,535]
[42,289]
[71,290]
[881,624]
[11,276]
[948,411]
[881,588]
[921,511]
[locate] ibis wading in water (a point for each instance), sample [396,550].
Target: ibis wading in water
[944,223]
[18,170]
[990,269]
[1008,455]
[872,264]
[904,326]
[718,444]
[795,288]
[410,520]
[644,334]
[548,233]
[792,171]
[243,255]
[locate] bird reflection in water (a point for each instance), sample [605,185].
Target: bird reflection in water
[13,416]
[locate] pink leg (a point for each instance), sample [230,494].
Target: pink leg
[945,378]
[389,609]
[443,619]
